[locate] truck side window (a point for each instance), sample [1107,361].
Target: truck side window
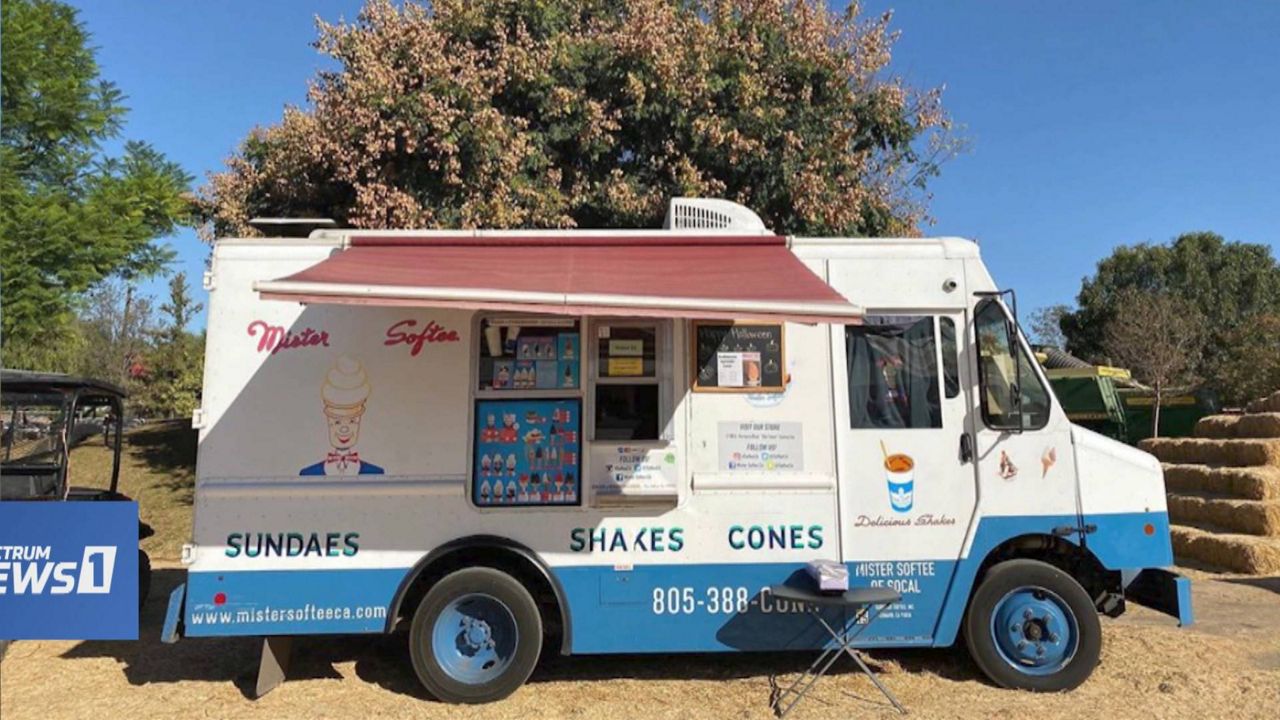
[627,382]
[999,378]
[892,363]
[950,359]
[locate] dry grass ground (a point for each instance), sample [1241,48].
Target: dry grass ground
[1228,666]
[158,470]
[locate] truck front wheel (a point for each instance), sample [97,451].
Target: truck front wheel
[475,637]
[1030,626]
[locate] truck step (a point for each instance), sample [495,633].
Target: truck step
[1248,483]
[1249,517]
[1247,554]
[1205,451]
[1259,425]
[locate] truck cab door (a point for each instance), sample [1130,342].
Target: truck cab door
[1026,462]
[907,488]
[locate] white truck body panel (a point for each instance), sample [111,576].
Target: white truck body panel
[280,551]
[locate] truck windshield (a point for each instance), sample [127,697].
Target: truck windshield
[1003,400]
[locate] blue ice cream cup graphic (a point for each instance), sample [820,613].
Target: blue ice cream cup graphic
[899,471]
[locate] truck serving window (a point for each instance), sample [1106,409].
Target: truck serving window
[527,442]
[626,382]
[893,373]
[1002,398]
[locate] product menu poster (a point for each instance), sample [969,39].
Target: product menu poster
[527,452]
[743,357]
[533,362]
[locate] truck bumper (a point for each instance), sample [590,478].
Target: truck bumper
[173,616]
[1161,590]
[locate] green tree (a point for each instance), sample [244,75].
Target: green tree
[592,113]
[1046,325]
[1229,284]
[1157,335]
[114,329]
[172,368]
[1249,362]
[70,216]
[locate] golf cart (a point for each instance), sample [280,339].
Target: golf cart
[43,417]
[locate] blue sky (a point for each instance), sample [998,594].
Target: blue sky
[1091,124]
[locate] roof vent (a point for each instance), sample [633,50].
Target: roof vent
[290,227]
[710,214]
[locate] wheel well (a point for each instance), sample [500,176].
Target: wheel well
[1102,585]
[513,559]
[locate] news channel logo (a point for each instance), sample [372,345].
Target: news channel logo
[68,570]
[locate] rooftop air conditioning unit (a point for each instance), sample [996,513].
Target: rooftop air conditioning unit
[710,214]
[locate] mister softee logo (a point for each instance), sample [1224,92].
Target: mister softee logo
[69,570]
[31,570]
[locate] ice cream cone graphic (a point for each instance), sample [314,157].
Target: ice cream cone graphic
[344,394]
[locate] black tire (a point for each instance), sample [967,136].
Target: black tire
[523,653]
[1041,582]
[144,578]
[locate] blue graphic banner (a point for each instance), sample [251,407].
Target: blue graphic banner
[527,453]
[68,570]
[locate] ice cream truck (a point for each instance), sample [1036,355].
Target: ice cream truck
[614,441]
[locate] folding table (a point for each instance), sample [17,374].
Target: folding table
[866,604]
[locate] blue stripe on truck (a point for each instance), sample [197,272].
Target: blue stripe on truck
[669,607]
[290,602]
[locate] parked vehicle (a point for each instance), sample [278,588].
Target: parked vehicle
[613,441]
[43,417]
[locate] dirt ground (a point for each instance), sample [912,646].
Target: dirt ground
[1227,666]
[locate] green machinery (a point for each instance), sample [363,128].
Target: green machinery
[1107,400]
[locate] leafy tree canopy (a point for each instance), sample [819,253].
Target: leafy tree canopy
[1230,284]
[1046,325]
[70,217]
[171,368]
[592,113]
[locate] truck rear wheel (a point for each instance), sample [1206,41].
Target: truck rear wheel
[1030,626]
[475,637]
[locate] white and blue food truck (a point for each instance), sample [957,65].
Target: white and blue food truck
[615,441]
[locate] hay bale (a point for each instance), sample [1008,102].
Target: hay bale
[1249,483]
[1216,426]
[1250,517]
[1239,553]
[1204,451]
[1268,404]
[1261,425]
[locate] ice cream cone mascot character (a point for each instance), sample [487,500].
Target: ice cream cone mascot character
[345,391]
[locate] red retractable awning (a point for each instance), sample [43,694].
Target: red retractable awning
[712,276]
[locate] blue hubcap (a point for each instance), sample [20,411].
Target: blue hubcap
[474,638]
[1034,630]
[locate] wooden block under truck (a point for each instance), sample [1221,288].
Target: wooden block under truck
[612,441]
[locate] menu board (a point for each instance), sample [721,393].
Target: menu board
[527,452]
[738,357]
[538,359]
